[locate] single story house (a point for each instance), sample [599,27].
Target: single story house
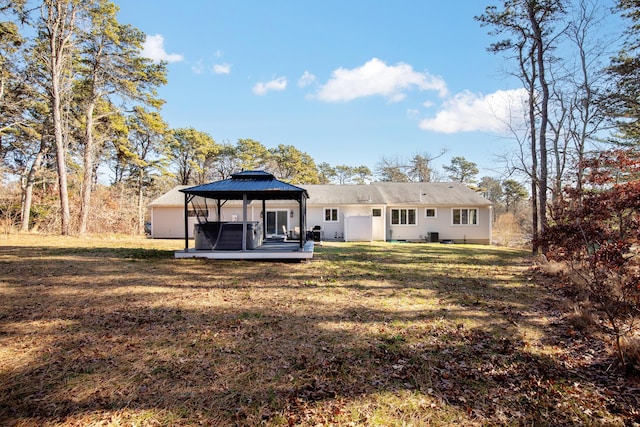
[380,211]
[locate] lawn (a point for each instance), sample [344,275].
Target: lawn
[113,331]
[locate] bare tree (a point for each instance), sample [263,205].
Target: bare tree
[540,14]
[531,23]
[559,136]
[415,169]
[587,80]
[420,170]
[391,170]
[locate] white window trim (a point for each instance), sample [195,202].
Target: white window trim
[435,210]
[404,209]
[378,216]
[324,214]
[466,225]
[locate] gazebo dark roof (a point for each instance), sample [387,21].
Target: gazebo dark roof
[257,185]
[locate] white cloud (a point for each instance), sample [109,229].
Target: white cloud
[468,112]
[277,84]
[306,79]
[377,78]
[198,67]
[222,68]
[413,113]
[153,48]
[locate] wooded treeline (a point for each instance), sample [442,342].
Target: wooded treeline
[77,97]
[579,150]
[80,102]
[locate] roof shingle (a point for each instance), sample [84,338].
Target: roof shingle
[377,193]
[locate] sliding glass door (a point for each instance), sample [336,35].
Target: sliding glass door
[277,222]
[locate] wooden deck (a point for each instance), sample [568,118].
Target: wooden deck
[269,250]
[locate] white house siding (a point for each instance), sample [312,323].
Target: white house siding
[334,230]
[409,232]
[234,213]
[168,223]
[358,228]
[443,225]
[330,230]
[480,233]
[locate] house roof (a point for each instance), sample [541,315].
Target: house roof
[378,193]
[256,185]
[430,193]
[344,195]
[171,198]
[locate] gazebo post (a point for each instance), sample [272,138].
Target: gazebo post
[302,230]
[186,222]
[244,222]
[264,219]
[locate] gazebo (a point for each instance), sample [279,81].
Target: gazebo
[244,239]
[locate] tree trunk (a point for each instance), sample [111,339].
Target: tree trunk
[544,117]
[534,160]
[26,207]
[60,21]
[61,163]
[87,177]
[140,203]
[534,198]
[28,187]
[559,150]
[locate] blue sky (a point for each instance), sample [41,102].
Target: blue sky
[347,82]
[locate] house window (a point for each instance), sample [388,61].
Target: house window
[465,216]
[430,213]
[330,214]
[376,212]
[403,216]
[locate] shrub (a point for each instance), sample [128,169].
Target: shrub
[507,230]
[596,232]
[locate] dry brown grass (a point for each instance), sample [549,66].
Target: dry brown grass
[113,331]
